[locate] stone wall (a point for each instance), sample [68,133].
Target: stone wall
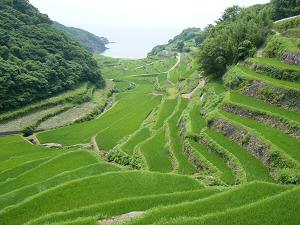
[291,58]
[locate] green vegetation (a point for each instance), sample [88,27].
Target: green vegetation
[156,154]
[36,59]
[235,37]
[167,137]
[91,42]
[213,158]
[217,203]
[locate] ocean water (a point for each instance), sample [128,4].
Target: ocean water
[135,43]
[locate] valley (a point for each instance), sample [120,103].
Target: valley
[162,143]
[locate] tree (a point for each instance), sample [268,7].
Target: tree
[285,8]
[180,46]
[246,49]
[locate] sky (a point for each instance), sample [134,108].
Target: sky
[155,20]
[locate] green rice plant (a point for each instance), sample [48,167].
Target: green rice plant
[241,99]
[101,188]
[281,83]
[122,206]
[155,153]
[52,167]
[131,109]
[77,95]
[279,209]
[140,136]
[21,168]
[221,202]
[284,142]
[166,109]
[255,170]
[176,141]
[274,68]
[13,147]
[226,174]
[16,196]
[195,122]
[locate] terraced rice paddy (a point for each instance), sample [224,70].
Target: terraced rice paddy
[156,154]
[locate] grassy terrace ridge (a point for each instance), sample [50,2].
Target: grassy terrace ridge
[141,135]
[226,173]
[67,96]
[16,196]
[126,205]
[155,153]
[276,63]
[196,121]
[284,142]
[255,170]
[54,166]
[281,83]
[101,188]
[240,99]
[233,198]
[280,208]
[21,168]
[13,148]
[134,105]
[176,145]
[166,109]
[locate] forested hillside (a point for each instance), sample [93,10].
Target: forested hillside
[36,60]
[91,42]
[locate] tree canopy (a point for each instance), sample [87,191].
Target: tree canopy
[36,60]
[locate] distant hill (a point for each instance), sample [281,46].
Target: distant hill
[183,42]
[91,42]
[37,60]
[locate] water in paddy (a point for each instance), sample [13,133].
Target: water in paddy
[135,42]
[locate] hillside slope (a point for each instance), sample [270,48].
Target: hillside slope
[91,42]
[36,60]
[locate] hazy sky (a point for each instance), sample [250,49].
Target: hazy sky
[137,23]
[177,14]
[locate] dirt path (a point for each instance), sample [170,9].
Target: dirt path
[200,85]
[177,63]
[122,218]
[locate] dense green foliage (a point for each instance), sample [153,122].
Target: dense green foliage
[285,8]
[91,42]
[36,60]
[183,42]
[236,36]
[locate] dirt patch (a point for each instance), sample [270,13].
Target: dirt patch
[200,85]
[122,218]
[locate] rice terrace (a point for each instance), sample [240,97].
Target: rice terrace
[203,130]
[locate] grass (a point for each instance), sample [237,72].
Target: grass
[238,98]
[21,168]
[102,188]
[156,155]
[196,120]
[140,136]
[126,205]
[236,197]
[255,170]
[259,76]
[282,208]
[217,85]
[14,147]
[283,141]
[56,165]
[176,144]
[22,193]
[166,109]
[226,173]
[276,63]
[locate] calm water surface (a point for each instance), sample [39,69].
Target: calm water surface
[135,42]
